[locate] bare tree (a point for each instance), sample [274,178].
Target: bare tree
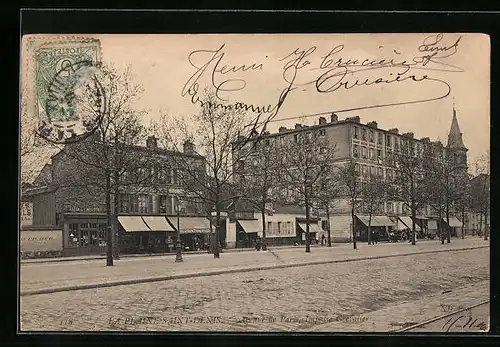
[214,132]
[374,193]
[411,185]
[304,158]
[106,164]
[446,182]
[256,176]
[328,193]
[480,189]
[350,177]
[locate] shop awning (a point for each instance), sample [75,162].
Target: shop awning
[157,223]
[454,222]
[191,225]
[251,226]
[408,222]
[133,223]
[313,228]
[384,221]
[376,221]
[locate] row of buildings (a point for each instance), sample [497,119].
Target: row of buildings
[70,220]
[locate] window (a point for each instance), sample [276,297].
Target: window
[363,134]
[322,150]
[390,207]
[322,132]
[372,135]
[162,204]
[279,227]
[380,172]
[373,170]
[379,154]
[363,152]
[296,138]
[324,224]
[270,227]
[372,154]
[356,151]
[356,132]
[380,138]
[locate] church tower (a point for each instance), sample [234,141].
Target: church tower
[455,146]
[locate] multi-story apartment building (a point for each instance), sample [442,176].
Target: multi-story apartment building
[147,212]
[371,148]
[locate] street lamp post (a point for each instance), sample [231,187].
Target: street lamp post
[178,255]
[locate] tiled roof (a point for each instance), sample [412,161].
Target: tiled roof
[32,163]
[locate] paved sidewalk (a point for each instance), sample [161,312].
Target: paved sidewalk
[52,277]
[144,255]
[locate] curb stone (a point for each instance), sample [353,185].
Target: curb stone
[225,271]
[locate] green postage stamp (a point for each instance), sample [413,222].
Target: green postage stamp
[62,66]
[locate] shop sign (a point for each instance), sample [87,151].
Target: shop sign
[41,240]
[26,213]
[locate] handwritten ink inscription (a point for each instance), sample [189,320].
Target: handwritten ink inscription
[327,72]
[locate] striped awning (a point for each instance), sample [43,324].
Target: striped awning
[408,222]
[133,223]
[191,225]
[157,223]
[376,221]
[251,226]
[454,222]
[313,228]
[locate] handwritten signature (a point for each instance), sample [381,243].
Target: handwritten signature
[330,73]
[458,323]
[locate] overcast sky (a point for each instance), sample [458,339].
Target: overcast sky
[454,63]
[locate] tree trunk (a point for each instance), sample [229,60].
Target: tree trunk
[263,215]
[448,228]
[480,220]
[463,221]
[308,239]
[109,234]
[212,237]
[117,243]
[414,231]
[486,223]
[328,225]
[440,224]
[353,227]
[217,230]
[370,229]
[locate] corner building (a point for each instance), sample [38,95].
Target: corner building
[370,147]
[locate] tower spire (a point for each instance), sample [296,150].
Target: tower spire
[455,136]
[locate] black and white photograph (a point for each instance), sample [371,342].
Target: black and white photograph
[324,183]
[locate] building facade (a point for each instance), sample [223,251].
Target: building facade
[147,212]
[371,148]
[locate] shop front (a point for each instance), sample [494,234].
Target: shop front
[147,234]
[194,232]
[84,234]
[247,232]
[454,225]
[380,226]
[315,231]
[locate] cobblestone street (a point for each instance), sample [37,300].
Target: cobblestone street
[382,294]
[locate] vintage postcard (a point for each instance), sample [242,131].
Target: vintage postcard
[255,183]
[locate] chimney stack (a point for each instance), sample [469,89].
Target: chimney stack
[353,119]
[298,126]
[425,139]
[188,147]
[334,118]
[322,120]
[151,142]
[394,130]
[372,124]
[409,134]
[282,129]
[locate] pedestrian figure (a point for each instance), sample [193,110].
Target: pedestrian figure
[322,240]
